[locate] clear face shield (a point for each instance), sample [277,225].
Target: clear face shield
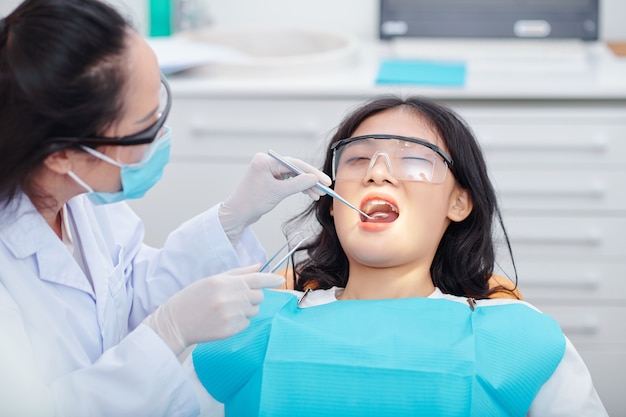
[407,159]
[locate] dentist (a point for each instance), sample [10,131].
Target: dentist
[91,319]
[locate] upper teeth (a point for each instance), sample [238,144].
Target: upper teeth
[373,203]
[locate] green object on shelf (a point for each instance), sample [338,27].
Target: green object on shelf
[160,17]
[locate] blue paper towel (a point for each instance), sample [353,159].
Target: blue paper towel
[421,72]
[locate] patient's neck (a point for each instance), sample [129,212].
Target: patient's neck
[366,283]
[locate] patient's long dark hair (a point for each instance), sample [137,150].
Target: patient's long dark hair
[465,258]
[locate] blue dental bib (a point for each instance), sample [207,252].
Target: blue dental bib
[401,357]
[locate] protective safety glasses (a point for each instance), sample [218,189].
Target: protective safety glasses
[407,159]
[145,136]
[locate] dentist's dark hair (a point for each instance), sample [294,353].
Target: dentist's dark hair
[61,74]
[465,258]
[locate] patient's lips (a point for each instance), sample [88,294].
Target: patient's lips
[381,211]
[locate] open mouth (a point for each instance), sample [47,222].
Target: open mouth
[380,211]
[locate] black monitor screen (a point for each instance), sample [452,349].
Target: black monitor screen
[489,19]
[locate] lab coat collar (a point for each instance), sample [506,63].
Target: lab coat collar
[25,233]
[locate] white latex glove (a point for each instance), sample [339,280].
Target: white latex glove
[212,308]
[265,184]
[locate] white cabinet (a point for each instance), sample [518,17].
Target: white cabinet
[559,168]
[560,171]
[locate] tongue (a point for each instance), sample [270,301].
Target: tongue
[381,217]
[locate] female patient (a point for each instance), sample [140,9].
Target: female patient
[400,321]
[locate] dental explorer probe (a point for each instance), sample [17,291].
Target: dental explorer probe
[319,185]
[279,251]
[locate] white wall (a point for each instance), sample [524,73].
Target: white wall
[354,16]
[7,5]
[613,21]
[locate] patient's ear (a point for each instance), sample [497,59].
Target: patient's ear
[461,204]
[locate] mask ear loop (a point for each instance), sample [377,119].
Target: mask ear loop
[101,156]
[79,181]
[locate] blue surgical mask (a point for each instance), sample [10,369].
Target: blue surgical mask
[137,178]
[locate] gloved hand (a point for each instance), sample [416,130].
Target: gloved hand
[265,184]
[212,308]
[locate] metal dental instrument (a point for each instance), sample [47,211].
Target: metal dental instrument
[319,185]
[282,261]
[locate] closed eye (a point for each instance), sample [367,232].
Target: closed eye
[416,158]
[357,159]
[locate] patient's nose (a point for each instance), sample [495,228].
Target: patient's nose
[380,169]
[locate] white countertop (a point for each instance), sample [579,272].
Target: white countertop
[602,77]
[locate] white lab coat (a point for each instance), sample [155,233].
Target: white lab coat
[67,349]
